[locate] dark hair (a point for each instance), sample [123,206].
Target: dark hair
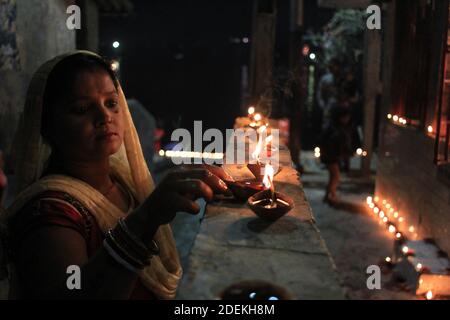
[62,78]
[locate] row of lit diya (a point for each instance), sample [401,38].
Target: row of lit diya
[260,194]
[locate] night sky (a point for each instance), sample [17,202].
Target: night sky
[178,60]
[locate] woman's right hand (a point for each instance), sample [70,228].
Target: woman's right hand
[177,192]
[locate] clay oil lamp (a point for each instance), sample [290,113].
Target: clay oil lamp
[268,204]
[244,189]
[256,167]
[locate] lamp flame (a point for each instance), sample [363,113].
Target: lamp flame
[259,145]
[268,176]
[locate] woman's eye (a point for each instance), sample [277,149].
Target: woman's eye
[112,104]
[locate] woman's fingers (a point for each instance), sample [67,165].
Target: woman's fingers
[213,181]
[183,204]
[193,189]
[220,172]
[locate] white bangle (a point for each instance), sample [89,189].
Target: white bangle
[118,259]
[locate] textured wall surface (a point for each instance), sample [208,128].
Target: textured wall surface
[409,180]
[38,30]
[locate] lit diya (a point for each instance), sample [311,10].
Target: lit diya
[268,204]
[264,142]
[244,189]
[257,169]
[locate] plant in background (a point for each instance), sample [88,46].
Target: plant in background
[341,38]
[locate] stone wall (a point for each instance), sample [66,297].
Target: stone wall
[34,32]
[408,179]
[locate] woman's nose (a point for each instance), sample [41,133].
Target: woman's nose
[104,115]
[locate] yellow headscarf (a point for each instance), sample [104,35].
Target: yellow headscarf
[128,165]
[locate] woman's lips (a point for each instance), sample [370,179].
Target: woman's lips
[107,136]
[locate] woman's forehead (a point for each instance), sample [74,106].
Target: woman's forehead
[92,82]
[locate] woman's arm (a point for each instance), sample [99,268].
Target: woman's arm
[45,255]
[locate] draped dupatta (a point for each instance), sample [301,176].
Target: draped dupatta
[128,165]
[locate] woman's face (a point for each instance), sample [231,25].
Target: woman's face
[89,120]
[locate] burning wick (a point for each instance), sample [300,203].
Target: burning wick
[268,183]
[259,145]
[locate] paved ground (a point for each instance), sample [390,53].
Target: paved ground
[354,239]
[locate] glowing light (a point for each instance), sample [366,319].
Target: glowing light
[430,129]
[116,44]
[259,145]
[376,199]
[161,153]
[371,205]
[405,249]
[381,215]
[245,40]
[312,56]
[305,50]
[258,117]
[364,154]
[252,124]
[388,206]
[262,129]
[115,65]
[384,201]
[376,210]
[401,219]
[429,295]
[411,229]
[395,118]
[359,151]
[419,266]
[369,200]
[389,116]
[396,215]
[392,229]
[190,154]
[398,235]
[268,176]
[391,210]
[251,110]
[385,219]
[388,259]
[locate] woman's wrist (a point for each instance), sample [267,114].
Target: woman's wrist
[142,224]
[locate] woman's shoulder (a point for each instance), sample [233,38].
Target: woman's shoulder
[52,208]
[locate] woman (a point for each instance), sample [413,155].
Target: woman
[87,197]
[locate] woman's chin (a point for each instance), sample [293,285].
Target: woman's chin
[109,148]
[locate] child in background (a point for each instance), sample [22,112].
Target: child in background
[336,147]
